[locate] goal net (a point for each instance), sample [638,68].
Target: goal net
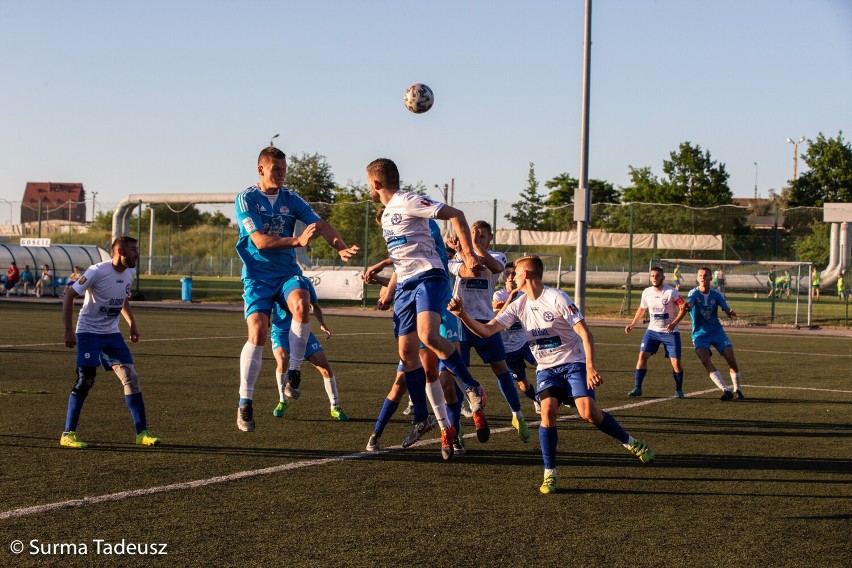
[761,292]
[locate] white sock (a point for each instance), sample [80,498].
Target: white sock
[735,379]
[279,378]
[299,333]
[251,359]
[716,377]
[435,393]
[331,391]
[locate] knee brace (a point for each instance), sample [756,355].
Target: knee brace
[128,377]
[85,381]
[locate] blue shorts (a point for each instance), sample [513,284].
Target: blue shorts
[261,295]
[570,377]
[652,340]
[515,361]
[94,349]
[425,292]
[281,339]
[719,340]
[489,349]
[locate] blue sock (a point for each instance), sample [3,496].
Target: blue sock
[639,376]
[510,393]
[530,393]
[547,437]
[244,401]
[137,410]
[75,407]
[416,383]
[457,367]
[388,409]
[678,377]
[454,412]
[611,427]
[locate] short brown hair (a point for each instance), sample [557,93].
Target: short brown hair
[385,171]
[482,225]
[532,263]
[122,242]
[271,153]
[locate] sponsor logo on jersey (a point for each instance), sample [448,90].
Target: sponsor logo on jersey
[548,342]
[426,202]
[248,224]
[394,242]
[476,284]
[573,309]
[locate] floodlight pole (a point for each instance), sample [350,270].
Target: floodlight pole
[795,144]
[582,200]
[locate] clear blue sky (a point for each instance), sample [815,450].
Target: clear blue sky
[179,96]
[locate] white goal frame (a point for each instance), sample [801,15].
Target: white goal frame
[799,279]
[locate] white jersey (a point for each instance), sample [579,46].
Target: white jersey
[662,305]
[105,291]
[476,293]
[514,337]
[405,226]
[549,325]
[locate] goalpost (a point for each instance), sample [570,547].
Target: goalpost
[760,291]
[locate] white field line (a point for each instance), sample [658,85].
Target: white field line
[37,509]
[333,335]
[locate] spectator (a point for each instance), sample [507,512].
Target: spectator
[13,277]
[27,279]
[73,278]
[43,282]
[841,286]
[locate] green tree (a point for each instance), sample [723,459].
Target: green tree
[814,247]
[528,213]
[310,176]
[558,216]
[691,178]
[217,219]
[829,179]
[352,212]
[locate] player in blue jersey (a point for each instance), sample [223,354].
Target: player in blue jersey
[664,303]
[564,348]
[314,353]
[106,287]
[703,303]
[421,283]
[266,215]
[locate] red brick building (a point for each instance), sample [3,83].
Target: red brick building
[59,201]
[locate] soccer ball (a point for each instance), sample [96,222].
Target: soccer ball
[418,98]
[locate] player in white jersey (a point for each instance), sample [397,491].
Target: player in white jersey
[664,303]
[565,351]
[106,287]
[420,289]
[266,215]
[476,290]
[515,338]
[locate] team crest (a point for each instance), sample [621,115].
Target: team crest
[284,210]
[81,280]
[548,317]
[396,219]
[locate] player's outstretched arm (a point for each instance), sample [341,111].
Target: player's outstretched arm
[462,229]
[333,238]
[456,307]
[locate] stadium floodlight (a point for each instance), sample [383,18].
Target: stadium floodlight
[795,144]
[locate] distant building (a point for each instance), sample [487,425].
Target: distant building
[763,212]
[59,201]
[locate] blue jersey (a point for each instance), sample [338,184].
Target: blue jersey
[278,219]
[705,311]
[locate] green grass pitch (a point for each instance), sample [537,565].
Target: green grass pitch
[766,481]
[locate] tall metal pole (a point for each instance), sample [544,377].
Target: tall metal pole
[582,200]
[755,182]
[795,144]
[94,194]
